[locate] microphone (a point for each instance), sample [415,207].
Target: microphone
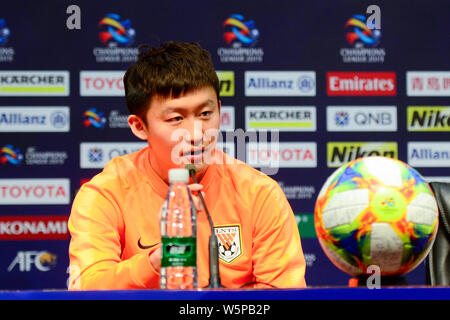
[214,276]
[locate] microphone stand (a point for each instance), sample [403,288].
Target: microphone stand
[214,276]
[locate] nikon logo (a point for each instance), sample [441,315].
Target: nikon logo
[435,118]
[339,153]
[226,83]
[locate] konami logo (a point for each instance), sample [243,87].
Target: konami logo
[102,83]
[33,228]
[34,191]
[361,84]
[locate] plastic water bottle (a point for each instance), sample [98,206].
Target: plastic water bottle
[178,235]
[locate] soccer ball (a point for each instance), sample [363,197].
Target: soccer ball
[376,211]
[227,251]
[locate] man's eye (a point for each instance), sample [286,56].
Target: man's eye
[175,119]
[206,113]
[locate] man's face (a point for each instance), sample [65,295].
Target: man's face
[183,130]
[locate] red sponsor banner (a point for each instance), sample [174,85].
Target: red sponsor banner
[33,228]
[361,84]
[84,180]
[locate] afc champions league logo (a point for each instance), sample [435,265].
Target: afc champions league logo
[94,118]
[241,36]
[363,34]
[117,36]
[6,52]
[10,154]
[115,31]
[239,32]
[358,33]
[4,32]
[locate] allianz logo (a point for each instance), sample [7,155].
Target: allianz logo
[292,83]
[29,119]
[428,153]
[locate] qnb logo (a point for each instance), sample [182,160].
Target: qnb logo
[116,31]
[4,32]
[341,118]
[362,118]
[9,154]
[94,118]
[239,32]
[95,155]
[25,261]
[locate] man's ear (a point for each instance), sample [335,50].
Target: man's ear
[138,127]
[219,104]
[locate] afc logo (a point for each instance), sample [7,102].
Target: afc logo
[25,260]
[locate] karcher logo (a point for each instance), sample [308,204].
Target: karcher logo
[32,79]
[301,118]
[339,153]
[428,118]
[34,83]
[226,83]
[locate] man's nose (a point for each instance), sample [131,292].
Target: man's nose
[195,132]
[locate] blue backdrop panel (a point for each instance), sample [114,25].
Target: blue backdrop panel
[76,100]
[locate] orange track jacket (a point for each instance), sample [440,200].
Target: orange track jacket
[121,205]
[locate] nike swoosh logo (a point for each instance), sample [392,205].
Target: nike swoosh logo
[146,247]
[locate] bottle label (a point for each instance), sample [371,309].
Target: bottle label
[179,252]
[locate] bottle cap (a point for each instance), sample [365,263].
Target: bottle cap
[178,175]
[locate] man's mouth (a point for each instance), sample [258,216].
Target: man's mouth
[193,152]
[194,155]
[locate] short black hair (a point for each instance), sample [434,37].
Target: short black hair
[169,71]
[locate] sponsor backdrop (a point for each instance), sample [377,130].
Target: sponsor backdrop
[338,81]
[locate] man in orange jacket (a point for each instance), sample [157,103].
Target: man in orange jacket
[172,93]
